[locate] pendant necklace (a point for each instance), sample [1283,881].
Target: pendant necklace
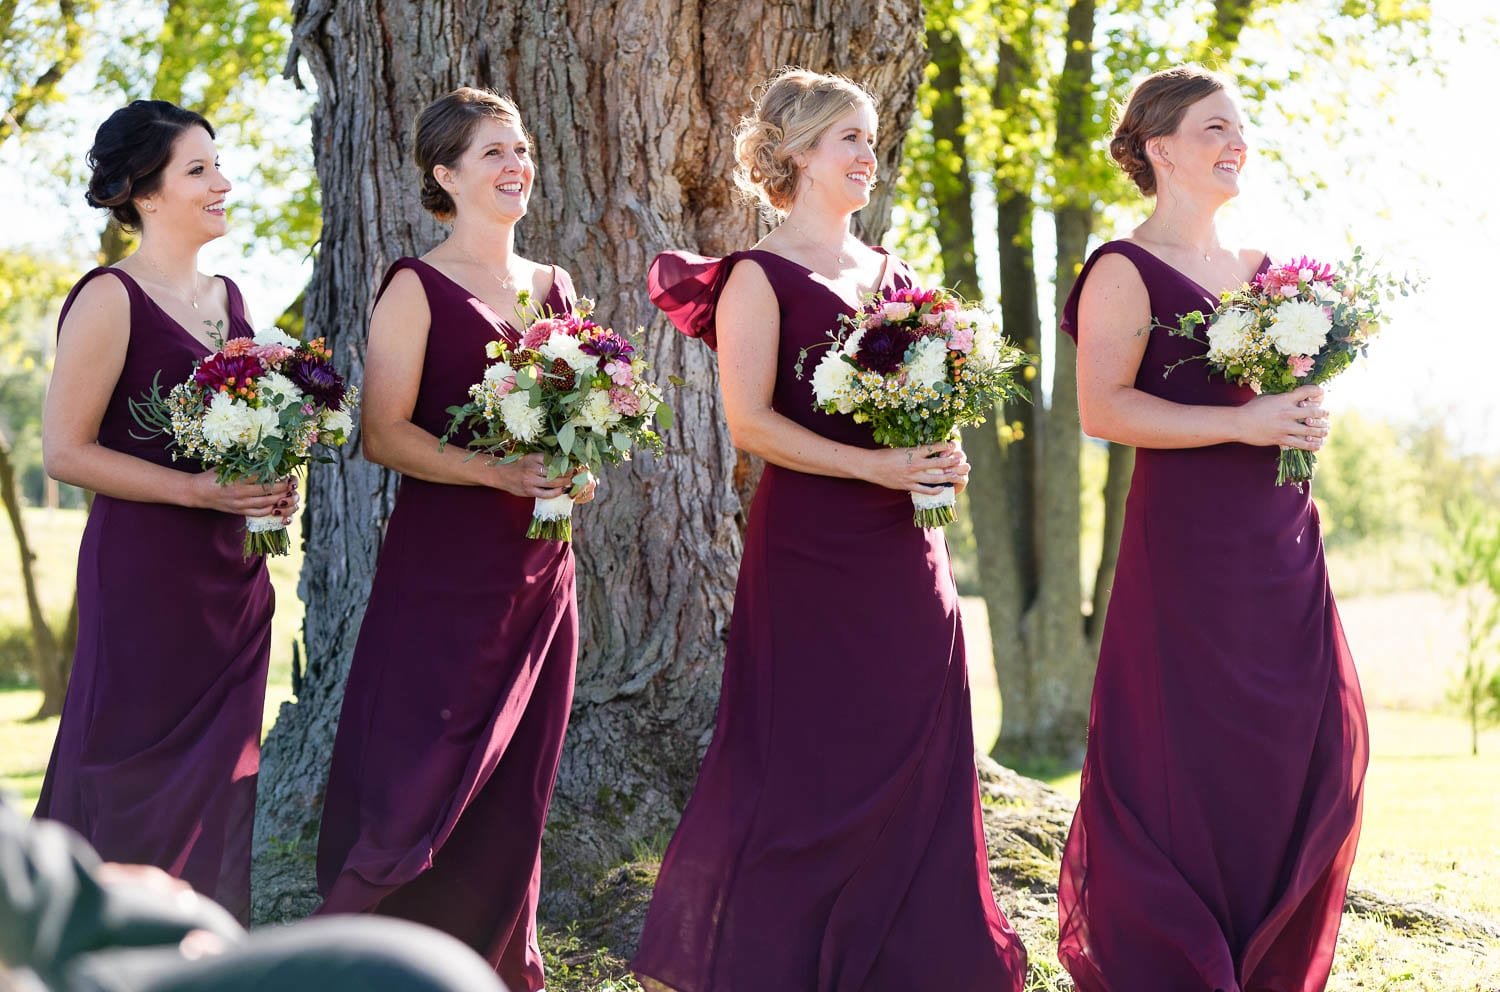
[508,283]
[188,297]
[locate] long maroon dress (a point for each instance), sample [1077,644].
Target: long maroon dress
[1221,790]
[833,842]
[157,753]
[459,689]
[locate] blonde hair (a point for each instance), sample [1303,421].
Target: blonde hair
[444,132]
[793,112]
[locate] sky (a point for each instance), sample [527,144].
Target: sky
[1414,181]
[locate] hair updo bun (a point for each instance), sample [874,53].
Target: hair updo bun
[1154,110]
[788,119]
[131,149]
[444,132]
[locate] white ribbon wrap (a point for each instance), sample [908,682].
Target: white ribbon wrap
[553,508]
[263,525]
[948,497]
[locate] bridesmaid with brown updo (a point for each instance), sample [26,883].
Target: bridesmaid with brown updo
[158,750]
[460,685]
[1221,790]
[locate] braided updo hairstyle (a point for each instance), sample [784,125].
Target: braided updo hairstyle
[788,119]
[1155,110]
[131,150]
[444,132]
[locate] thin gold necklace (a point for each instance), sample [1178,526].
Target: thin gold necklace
[508,283]
[841,259]
[190,297]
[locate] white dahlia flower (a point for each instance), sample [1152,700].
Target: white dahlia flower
[1299,327]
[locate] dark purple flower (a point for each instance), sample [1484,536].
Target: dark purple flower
[608,346]
[228,372]
[882,348]
[319,380]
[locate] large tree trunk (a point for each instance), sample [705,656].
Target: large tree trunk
[631,103]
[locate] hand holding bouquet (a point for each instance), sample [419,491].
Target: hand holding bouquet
[1297,324]
[917,367]
[256,411]
[571,390]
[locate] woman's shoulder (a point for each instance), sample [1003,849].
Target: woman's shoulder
[102,293]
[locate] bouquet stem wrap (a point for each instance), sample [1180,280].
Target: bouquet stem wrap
[552,519]
[934,511]
[266,536]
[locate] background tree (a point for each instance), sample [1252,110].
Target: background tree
[631,103]
[1470,571]
[1018,99]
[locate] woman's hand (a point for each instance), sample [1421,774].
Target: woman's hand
[527,476]
[587,493]
[922,469]
[245,499]
[1289,420]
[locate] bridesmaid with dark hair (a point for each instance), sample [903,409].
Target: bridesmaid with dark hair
[1221,791]
[833,842]
[156,757]
[459,689]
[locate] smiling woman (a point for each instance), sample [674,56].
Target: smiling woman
[459,688]
[158,748]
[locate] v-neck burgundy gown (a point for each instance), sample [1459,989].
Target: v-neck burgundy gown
[1220,798]
[833,842]
[459,688]
[157,753]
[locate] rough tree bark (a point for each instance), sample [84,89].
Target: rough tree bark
[631,104]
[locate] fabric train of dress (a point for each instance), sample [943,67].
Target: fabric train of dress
[833,841]
[1221,792]
[459,690]
[157,754]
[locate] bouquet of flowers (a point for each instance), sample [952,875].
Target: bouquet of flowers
[571,390]
[256,410]
[1297,324]
[916,367]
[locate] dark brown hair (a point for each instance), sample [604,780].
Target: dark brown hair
[1154,110]
[131,148]
[444,132]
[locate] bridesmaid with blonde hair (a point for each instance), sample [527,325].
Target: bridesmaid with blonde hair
[833,842]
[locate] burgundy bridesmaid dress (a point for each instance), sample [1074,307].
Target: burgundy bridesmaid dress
[833,841]
[459,689]
[1221,790]
[157,753]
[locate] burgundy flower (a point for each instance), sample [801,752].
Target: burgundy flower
[319,380]
[231,372]
[882,348]
[608,346]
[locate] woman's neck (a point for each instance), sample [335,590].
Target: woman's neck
[168,258]
[1176,221]
[491,244]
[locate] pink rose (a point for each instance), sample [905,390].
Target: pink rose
[961,341]
[1301,365]
[896,310]
[624,402]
